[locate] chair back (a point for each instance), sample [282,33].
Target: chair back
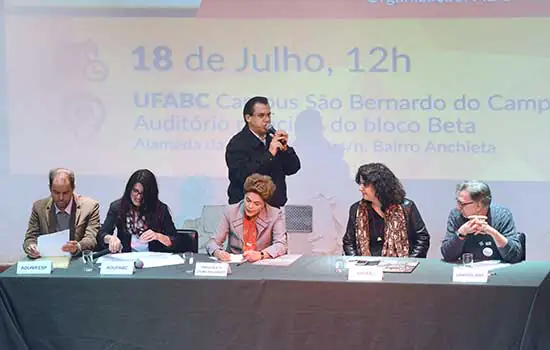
[522,241]
[192,242]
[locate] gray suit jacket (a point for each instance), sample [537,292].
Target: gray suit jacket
[270,225]
[84,221]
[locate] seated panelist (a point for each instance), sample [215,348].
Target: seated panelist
[142,221]
[63,210]
[384,222]
[252,227]
[479,227]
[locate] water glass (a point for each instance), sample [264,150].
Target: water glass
[340,265]
[468,260]
[189,258]
[88,260]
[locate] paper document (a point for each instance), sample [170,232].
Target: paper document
[50,244]
[58,262]
[149,259]
[284,260]
[233,258]
[489,265]
[236,258]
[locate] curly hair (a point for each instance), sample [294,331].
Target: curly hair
[262,185]
[387,186]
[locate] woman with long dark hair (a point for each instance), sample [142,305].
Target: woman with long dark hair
[142,221]
[384,222]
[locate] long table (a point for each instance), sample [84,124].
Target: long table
[308,305]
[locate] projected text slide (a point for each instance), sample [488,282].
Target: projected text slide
[464,98]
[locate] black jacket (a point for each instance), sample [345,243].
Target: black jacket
[164,226]
[245,155]
[419,238]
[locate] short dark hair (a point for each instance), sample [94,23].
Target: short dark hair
[479,191]
[248,108]
[62,172]
[387,186]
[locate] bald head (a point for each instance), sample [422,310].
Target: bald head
[62,175]
[61,187]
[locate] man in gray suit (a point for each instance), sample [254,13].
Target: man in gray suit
[63,210]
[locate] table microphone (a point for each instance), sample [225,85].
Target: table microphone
[138,264]
[99,254]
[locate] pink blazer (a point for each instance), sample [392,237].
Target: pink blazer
[270,225]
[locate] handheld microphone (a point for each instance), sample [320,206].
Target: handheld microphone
[272,131]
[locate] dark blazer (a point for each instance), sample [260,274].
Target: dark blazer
[164,226]
[419,238]
[245,155]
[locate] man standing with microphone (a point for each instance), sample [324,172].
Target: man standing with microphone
[259,148]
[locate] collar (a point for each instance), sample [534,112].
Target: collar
[263,140]
[68,209]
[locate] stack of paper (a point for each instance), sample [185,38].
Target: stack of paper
[149,259]
[284,260]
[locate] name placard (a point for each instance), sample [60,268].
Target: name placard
[211,269]
[365,273]
[117,268]
[470,275]
[39,267]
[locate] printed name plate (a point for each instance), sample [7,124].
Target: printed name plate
[38,267]
[211,269]
[117,268]
[470,274]
[365,273]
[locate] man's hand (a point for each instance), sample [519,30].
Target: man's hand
[222,255]
[466,229]
[275,145]
[33,251]
[483,228]
[70,246]
[252,255]
[283,135]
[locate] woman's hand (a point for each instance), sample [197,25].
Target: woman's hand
[222,255]
[252,255]
[114,243]
[149,236]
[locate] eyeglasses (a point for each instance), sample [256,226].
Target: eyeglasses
[137,192]
[463,204]
[264,115]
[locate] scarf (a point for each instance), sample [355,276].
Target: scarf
[396,240]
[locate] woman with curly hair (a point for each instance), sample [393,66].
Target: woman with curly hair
[252,227]
[384,222]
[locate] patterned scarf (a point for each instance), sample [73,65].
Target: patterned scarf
[396,240]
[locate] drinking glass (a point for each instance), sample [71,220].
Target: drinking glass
[88,260]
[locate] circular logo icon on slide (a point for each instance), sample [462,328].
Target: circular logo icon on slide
[84,115]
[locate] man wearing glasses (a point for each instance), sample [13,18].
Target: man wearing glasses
[476,226]
[255,150]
